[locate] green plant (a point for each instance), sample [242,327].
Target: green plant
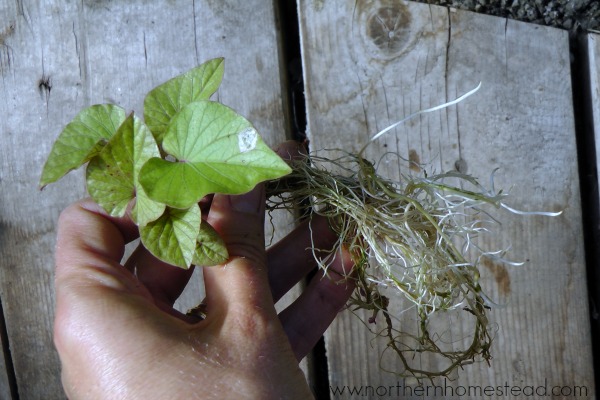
[188,147]
[409,239]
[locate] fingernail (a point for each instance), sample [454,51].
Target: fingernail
[251,202]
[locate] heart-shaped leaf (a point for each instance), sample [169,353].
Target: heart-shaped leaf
[112,175]
[172,237]
[210,247]
[145,209]
[163,102]
[217,151]
[81,140]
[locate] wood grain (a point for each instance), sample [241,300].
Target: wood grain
[58,57]
[370,63]
[590,47]
[5,366]
[593,53]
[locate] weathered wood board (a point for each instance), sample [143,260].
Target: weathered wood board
[593,53]
[58,57]
[367,64]
[591,48]
[5,362]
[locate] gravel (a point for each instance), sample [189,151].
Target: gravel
[573,15]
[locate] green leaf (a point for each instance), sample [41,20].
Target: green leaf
[163,102]
[218,151]
[162,180]
[81,140]
[210,247]
[145,210]
[172,237]
[112,174]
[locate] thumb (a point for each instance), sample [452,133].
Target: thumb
[241,282]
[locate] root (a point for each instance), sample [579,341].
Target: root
[407,239]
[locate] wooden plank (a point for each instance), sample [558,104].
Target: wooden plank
[42,50]
[6,60]
[590,46]
[58,57]
[367,64]
[593,54]
[5,364]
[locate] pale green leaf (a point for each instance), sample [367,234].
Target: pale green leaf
[159,176]
[172,237]
[163,102]
[210,247]
[145,210]
[112,174]
[81,140]
[217,151]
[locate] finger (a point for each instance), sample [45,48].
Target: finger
[89,281]
[88,237]
[293,257]
[307,318]
[205,203]
[108,237]
[240,284]
[125,225]
[164,281]
[88,276]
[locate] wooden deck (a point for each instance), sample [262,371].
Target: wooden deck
[366,65]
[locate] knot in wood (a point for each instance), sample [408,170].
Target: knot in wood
[387,28]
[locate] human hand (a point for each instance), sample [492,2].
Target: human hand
[119,337]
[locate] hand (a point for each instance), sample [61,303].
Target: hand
[119,337]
